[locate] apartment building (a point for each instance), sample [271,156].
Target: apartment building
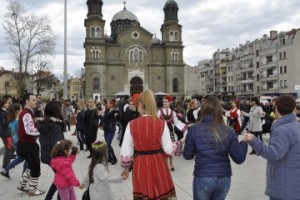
[266,66]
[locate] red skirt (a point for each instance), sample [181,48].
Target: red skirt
[151,178]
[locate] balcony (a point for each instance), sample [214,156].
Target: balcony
[270,63]
[246,81]
[269,76]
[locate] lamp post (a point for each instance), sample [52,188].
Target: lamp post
[65,54]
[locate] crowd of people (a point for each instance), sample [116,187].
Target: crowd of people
[151,133]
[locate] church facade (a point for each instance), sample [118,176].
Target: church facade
[132,59]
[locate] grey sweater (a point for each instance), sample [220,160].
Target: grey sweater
[255,123]
[101,185]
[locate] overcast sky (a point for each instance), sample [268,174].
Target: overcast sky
[208,25]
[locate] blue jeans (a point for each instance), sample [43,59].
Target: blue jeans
[211,188]
[15,162]
[109,136]
[271,198]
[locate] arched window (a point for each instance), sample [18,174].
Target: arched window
[96,84]
[95,54]
[171,36]
[175,85]
[92,32]
[176,36]
[98,32]
[131,56]
[135,55]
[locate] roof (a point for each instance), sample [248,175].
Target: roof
[123,15]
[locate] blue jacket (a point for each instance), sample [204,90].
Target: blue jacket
[283,158]
[212,159]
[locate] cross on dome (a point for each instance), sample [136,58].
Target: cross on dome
[124,2]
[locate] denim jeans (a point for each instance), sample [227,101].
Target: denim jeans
[211,188]
[271,198]
[15,162]
[109,136]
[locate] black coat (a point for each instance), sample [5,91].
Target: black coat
[50,133]
[80,121]
[109,120]
[4,129]
[91,121]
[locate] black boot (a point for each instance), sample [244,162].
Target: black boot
[252,152]
[114,160]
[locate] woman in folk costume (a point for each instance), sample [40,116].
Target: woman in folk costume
[146,145]
[234,115]
[167,114]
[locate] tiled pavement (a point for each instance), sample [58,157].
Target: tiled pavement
[248,180]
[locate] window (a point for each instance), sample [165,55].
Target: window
[269,59]
[98,33]
[96,84]
[284,55]
[92,32]
[135,55]
[176,36]
[175,56]
[257,64]
[96,54]
[280,56]
[257,53]
[175,85]
[173,36]
[284,70]
[280,70]
[282,41]
[283,83]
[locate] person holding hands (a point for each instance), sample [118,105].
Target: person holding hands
[282,152]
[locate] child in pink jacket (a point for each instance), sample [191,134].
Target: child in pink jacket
[63,155]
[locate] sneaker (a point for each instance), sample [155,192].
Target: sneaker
[5,174]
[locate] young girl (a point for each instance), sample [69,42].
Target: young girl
[98,178]
[63,155]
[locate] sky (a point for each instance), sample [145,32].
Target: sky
[207,25]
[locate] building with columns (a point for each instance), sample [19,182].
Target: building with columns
[132,59]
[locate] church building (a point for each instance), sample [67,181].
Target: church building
[132,59]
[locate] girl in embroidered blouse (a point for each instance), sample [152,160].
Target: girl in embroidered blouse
[234,115]
[170,116]
[146,146]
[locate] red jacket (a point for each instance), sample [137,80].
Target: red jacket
[64,176]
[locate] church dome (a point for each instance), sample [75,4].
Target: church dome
[155,40]
[108,39]
[123,15]
[170,4]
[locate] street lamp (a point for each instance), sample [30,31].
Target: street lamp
[65,54]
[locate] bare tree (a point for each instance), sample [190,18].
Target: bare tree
[41,78]
[29,38]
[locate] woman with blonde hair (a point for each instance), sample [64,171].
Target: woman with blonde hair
[91,121]
[146,145]
[211,142]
